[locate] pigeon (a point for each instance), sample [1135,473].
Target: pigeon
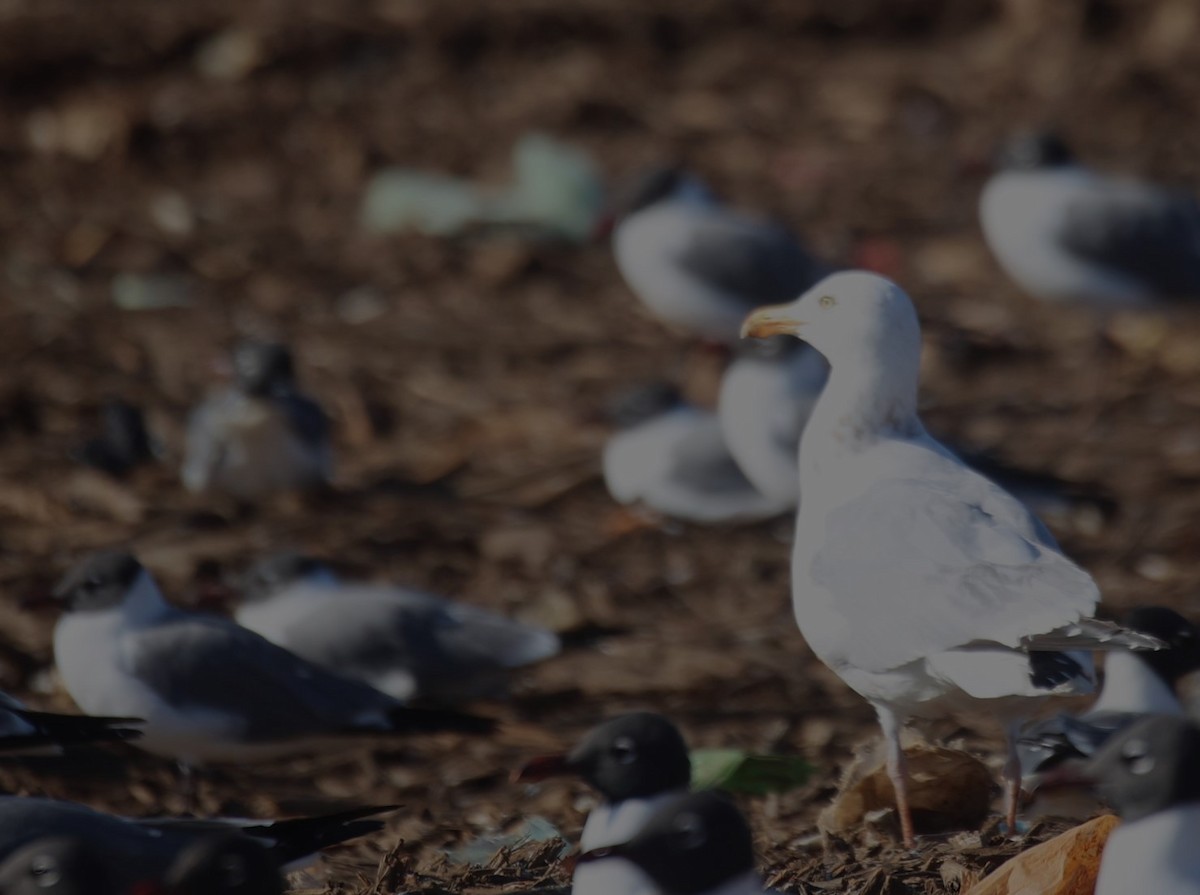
[766,396]
[208,689]
[672,458]
[636,762]
[132,851]
[262,435]
[26,732]
[1150,773]
[56,865]
[698,265]
[1066,233]
[403,642]
[923,585]
[692,844]
[1136,684]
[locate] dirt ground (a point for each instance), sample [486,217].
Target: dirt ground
[470,402]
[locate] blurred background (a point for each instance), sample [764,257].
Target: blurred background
[175,176]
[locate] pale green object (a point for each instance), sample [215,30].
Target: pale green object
[555,193]
[151,291]
[735,770]
[480,851]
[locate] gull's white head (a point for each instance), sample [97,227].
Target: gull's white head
[848,314]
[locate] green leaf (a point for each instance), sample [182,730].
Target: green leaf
[735,770]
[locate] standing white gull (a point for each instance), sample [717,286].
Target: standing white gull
[699,265]
[262,434]
[922,584]
[403,642]
[208,689]
[1064,232]
[1150,773]
[673,459]
[692,844]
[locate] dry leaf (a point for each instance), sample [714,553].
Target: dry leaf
[1066,865]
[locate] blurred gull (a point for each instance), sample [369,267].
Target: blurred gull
[672,457]
[692,844]
[636,762]
[208,689]
[223,865]
[1150,773]
[402,642]
[1136,684]
[132,851]
[56,865]
[699,265]
[1064,232]
[262,434]
[923,585]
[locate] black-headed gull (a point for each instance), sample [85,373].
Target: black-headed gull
[132,851]
[672,458]
[636,762]
[1150,773]
[692,844]
[403,642]
[699,265]
[1136,684]
[208,689]
[262,434]
[56,865]
[222,865]
[923,585]
[1065,232]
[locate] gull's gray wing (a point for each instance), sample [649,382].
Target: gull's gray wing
[702,463]
[210,663]
[1150,234]
[754,260]
[919,566]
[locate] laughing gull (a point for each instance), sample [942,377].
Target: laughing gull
[262,434]
[208,689]
[56,865]
[1150,773]
[402,642]
[672,458]
[699,265]
[1136,684]
[223,865]
[1064,232]
[692,844]
[131,851]
[26,732]
[636,762]
[767,394]
[923,585]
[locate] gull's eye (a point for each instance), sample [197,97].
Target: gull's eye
[1137,757]
[624,751]
[45,872]
[827,301]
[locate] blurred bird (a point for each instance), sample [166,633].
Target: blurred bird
[1150,773]
[1136,684]
[56,865]
[672,457]
[124,442]
[636,762]
[26,732]
[208,689]
[262,434]
[1064,232]
[692,844]
[134,851]
[699,265]
[402,642]
[224,865]
[923,585]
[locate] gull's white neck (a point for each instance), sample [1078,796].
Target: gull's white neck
[862,403]
[1153,854]
[1130,685]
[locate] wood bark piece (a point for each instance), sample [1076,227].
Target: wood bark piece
[1065,865]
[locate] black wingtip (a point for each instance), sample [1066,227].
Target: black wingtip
[1048,670]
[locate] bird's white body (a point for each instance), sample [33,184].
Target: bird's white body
[1022,214]
[1155,854]
[612,825]
[763,406]
[1130,685]
[616,876]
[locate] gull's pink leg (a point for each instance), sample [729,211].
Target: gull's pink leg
[1012,779]
[897,771]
